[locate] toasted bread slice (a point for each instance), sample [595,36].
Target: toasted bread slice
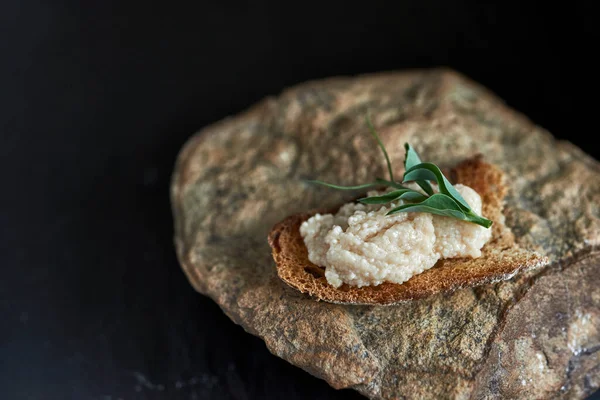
[501,258]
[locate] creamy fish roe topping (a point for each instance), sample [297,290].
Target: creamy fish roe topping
[362,246]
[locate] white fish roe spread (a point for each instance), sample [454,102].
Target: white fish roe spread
[361,246]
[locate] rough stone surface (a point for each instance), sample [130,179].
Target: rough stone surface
[535,336]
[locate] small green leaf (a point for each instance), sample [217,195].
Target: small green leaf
[391,196]
[376,136]
[412,159]
[431,172]
[356,187]
[444,205]
[472,217]
[439,204]
[413,197]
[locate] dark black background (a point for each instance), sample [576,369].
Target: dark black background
[96,99]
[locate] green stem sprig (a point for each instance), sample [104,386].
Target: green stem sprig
[447,202]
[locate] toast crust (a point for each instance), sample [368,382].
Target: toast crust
[501,258]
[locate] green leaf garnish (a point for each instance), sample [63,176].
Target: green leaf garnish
[476,219]
[431,172]
[412,159]
[413,197]
[401,194]
[438,203]
[448,202]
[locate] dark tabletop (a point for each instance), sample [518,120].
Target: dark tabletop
[96,99]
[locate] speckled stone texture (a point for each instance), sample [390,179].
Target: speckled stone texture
[535,336]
